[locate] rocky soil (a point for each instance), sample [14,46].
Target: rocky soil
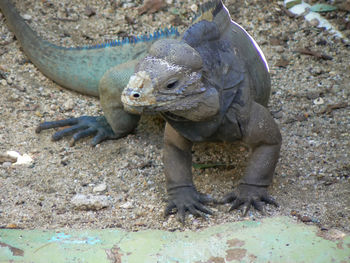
[121,183]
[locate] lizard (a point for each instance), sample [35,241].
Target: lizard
[210,83]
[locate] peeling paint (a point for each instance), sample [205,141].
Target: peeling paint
[213,260]
[64,238]
[235,254]
[114,254]
[235,242]
[332,234]
[340,245]
[15,251]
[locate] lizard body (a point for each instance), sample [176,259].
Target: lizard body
[210,84]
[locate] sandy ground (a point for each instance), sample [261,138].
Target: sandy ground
[310,101]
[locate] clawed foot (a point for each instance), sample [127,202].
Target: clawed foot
[81,127]
[247,196]
[187,198]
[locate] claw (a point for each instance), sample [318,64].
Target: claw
[249,195]
[270,200]
[193,211]
[236,203]
[227,198]
[56,124]
[205,199]
[258,206]
[247,208]
[181,215]
[187,199]
[100,136]
[169,209]
[203,209]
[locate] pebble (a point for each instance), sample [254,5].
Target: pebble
[7,158]
[316,71]
[26,17]
[100,188]
[24,159]
[318,101]
[68,105]
[279,49]
[314,22]
[6,164]
[128,5]
[278,115]
[194,8]
[305,219]
[14,97]
[13,154]
[90,202]
[12,226]
[127,205]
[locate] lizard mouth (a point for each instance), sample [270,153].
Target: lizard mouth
[140,109]
[133,109]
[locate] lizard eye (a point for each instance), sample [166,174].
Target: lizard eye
[172,84]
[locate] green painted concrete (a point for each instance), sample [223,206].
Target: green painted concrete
[277,239]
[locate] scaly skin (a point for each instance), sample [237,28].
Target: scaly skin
[210,84]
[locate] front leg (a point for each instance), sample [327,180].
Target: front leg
[177,158]
[262,135]
[80,127]
[115,123]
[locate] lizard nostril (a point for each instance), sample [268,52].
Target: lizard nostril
[136,95]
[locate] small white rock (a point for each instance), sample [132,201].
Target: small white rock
[100,188]
[318,101]
[90,202]
[13,154]
[194,8]
[68,105]
[53,107]
[26,17]
[127,205]
[21,159]
[24,159]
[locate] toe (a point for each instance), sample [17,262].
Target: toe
[169,209]
[236,203]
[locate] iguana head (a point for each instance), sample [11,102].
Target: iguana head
[169,79]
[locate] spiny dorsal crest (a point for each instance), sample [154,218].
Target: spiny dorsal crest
[208,11]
